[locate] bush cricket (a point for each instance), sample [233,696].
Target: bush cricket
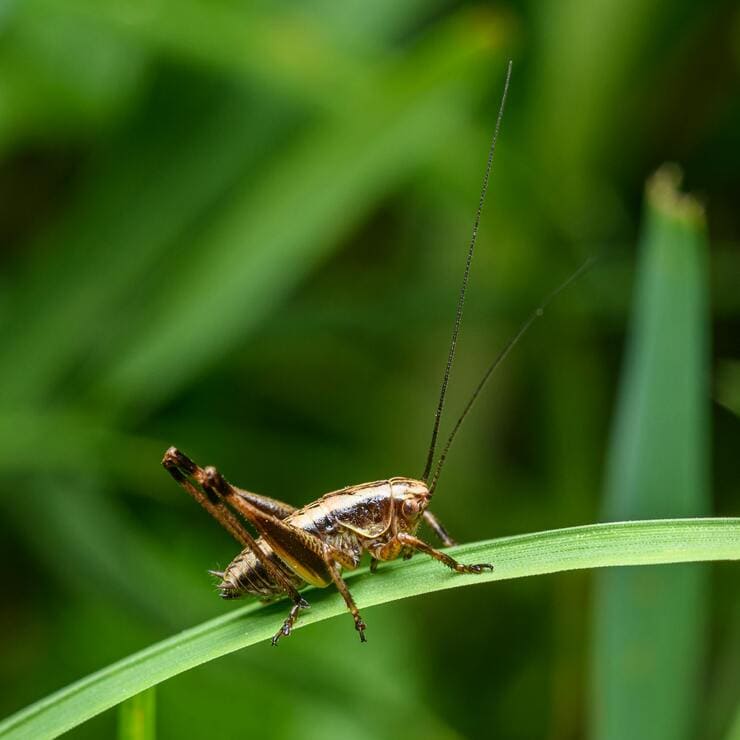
[314,544]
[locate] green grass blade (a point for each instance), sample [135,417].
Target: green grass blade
[649,636]
[598,545]
[137,717]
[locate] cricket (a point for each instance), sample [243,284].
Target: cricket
[315,544]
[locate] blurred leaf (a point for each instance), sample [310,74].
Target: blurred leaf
[74,293]
[304,53]
[104,551]
[30,440]
[256,250]
[282,48]
[107,292]
[734,733]
[359,24]
[599,545]
[728,386]
[580,114]
[137,717]
[61,80]
[649,643]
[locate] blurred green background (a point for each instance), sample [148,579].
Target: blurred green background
[239,228]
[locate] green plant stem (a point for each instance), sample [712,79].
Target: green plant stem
[137,717]
[591,546]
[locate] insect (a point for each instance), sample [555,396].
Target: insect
[314,544]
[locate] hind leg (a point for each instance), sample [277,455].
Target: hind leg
[287,627]
[209,493]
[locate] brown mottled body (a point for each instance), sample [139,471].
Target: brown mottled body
[314,544]
[352,520]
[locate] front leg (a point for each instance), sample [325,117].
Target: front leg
[408,540]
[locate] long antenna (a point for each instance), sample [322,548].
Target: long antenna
[539,311]
[463,289]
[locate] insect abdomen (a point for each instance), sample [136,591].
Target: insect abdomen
[246,574]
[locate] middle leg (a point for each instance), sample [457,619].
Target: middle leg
[343,589]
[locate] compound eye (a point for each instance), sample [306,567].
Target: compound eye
[410,508]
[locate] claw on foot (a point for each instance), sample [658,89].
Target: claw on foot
[284,630]
[360,627]
[290,621]
[479,568]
